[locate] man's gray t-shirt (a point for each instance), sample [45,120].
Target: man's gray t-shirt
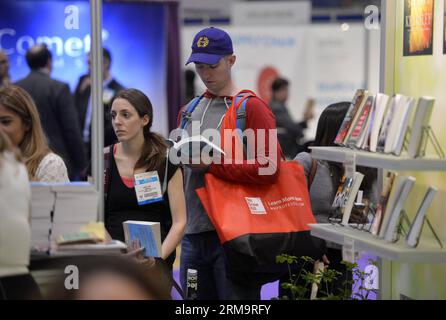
[209,113]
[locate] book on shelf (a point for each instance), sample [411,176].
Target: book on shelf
[413,236]
[144,234]
[420,123]
[395,191]
[345,196]
[345,126]
[360,126]
[395,103]
[395,214]
[379,110]
[382,202]
[192,145]
[357,117]
[364,141]
[398,126]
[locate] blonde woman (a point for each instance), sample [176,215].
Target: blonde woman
[20,121]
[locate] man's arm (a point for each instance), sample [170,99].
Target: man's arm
[267,152]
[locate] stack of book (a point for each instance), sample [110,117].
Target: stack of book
[380,123]
[42,205]
[113,247]
[76,205]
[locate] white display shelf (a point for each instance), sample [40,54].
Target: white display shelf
[425,252]
[378,160]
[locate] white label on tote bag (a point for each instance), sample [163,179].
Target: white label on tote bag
[255,205]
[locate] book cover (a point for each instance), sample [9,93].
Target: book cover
[393,197]
[351,196]
[345,197]
[357,99]
[356,117]
[395,214]
[357,136]
[339,199]
[421,121]
[382,203]
[396,102]
[413,236]
[381,103]
[364,141]
[146,234]
[401,124]
[418,27]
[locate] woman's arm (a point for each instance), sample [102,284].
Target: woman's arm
[178,211]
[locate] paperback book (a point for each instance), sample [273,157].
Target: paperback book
[143,234]
[413,236]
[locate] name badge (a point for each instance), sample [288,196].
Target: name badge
[148,187]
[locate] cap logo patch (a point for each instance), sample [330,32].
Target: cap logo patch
[202,42]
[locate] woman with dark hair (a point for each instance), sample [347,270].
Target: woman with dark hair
[142,153]
[325,177]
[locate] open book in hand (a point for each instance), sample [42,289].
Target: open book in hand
[194,144]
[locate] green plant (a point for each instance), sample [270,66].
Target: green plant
[353,287]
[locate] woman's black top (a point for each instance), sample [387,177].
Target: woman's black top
[121,204]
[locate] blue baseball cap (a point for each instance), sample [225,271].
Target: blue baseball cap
[210,45]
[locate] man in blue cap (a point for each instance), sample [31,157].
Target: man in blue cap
[213,56]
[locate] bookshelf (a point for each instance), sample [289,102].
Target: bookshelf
[425,252]
[378,160]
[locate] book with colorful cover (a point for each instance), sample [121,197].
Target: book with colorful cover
[382,203]
[346,123]
[345,197]
[360,126]
[356,117]
[143,234]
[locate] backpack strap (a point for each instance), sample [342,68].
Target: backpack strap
[241,113]
[313,170]
[187,114]
[107,170]
[241,123]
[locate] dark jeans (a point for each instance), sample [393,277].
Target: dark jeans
[243,292]
[204,253]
